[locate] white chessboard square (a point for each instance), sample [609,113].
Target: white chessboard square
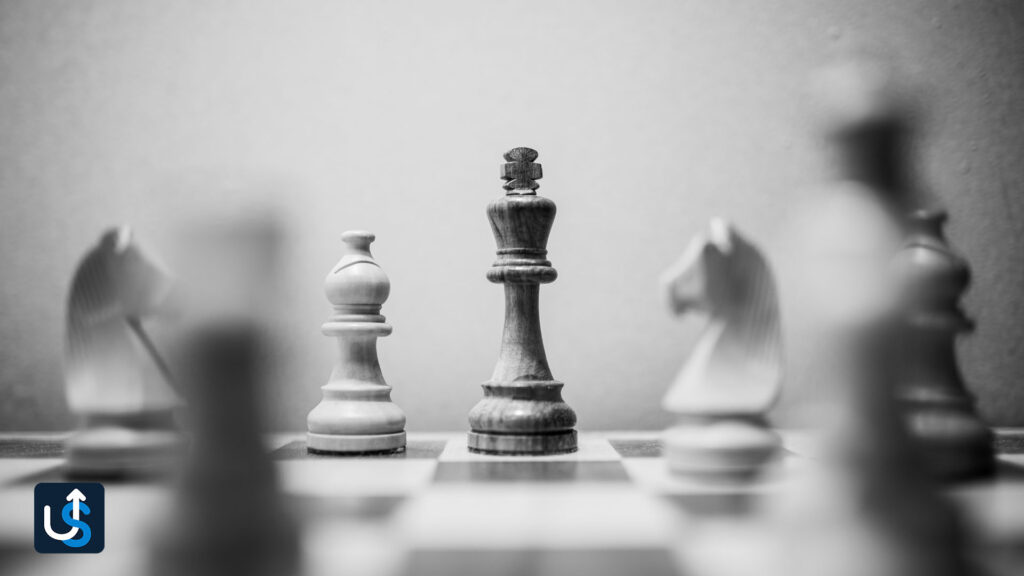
[524,516]
[326,478]
[14,470]
[591,449]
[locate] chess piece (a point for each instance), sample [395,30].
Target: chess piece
[841,241]
[228,515]
[115,378]
[734,374]
[522,411]
[865,505]
[860,504]
[939,410]
[356,414]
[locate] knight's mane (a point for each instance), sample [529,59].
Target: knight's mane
[92,299]
[757,312]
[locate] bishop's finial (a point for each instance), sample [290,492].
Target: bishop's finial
[520,171]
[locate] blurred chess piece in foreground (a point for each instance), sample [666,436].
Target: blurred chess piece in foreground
[939,410]
[861,503]
[116,379]
[229,516]
[839,244]
[733,375]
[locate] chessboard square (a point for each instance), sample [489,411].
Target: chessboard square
[415,449]
[524,516]
[544,471]
[637,447]
[328,478]
[1010,441]
[591,449]
[22,471]
[345,507]
[646,562]
[32,447]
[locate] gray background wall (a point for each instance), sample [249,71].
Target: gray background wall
[650,118]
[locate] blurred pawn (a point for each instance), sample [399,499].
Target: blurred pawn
[116,379]
[229,517]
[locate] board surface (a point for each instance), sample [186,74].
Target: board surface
[437,509]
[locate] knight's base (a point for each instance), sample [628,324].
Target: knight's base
[722,450]
[355,444]
[523,444]
[114,451]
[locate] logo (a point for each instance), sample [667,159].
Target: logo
[69,517]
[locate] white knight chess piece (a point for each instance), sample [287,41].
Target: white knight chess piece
[115,378]
[734,374]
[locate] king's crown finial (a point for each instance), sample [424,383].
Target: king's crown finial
[520,172]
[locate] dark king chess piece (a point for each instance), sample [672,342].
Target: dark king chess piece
[522,411]
[939,410]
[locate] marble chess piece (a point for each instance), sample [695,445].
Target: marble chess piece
[734,374]
[356,414]
[116,380]
[522,411]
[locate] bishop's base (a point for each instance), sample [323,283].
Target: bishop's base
[355,444]
[523,444]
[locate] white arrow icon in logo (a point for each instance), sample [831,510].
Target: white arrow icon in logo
[75,497]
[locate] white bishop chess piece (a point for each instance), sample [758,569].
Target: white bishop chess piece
[734,374]
[356,414]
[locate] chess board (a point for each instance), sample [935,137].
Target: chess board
[612,508]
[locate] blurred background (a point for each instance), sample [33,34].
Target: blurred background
[650,118]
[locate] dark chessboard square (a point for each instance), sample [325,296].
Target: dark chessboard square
[415,449]
[1010,441]
[722,504]
[366,508]
[530,471]
[31,448]
[598,562]
[637,448]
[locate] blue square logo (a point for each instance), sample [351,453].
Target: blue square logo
[69,517]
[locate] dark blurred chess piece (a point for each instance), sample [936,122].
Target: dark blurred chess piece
[522,411]
[865,505]
[116,379]
[734,373]
[228,516]
[859,503]
[939,409]
[356,414]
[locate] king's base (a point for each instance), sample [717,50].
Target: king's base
[355,444]
[523,444]
[114,451]
[720,450]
